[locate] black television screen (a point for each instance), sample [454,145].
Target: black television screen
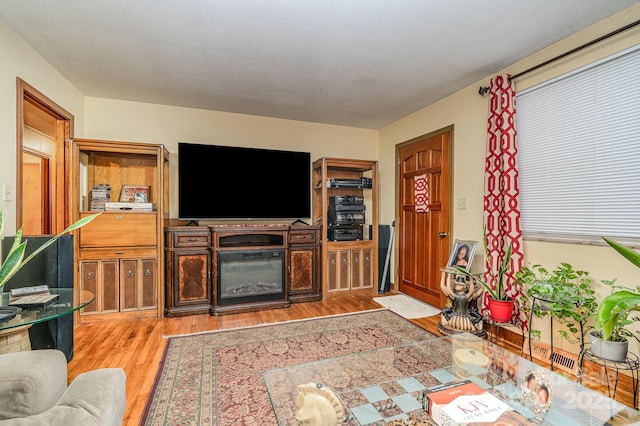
[225,182]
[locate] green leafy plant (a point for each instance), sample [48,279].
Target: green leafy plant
[495,285]
[568,293]
[15,259]
[614,310]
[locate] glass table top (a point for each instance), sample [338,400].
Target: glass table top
[388,383]
[65,305]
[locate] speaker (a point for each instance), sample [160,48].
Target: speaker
[53,267]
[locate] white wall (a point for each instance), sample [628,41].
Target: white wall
[141,122]
[18,59]
[467,111]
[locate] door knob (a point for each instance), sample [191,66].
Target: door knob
[442,234]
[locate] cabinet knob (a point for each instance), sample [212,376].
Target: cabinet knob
[193,239]
[129,273]
[300,237]
[147,272]
[91,276]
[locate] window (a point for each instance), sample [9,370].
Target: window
[579,153]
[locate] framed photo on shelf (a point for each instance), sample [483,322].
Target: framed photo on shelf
[134,194]
[462,254]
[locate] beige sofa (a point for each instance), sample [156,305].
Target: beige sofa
[33,391]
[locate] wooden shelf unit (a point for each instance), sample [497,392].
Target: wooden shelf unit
[348,266]
[120,255]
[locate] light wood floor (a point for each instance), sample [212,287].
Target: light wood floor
[136,345]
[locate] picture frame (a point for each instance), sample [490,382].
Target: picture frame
[462,246]
[134,194]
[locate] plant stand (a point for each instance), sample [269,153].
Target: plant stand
[631,363]
[552,354]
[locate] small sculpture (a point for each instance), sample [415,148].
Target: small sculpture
[318,406]
[461,313]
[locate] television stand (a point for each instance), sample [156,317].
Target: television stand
[224,269]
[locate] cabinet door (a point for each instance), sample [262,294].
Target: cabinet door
[192,278]
[137,284]
[302,267]
[128,284]
[148,283]
[338,270]
[89,282]
[108,289]
[365,268]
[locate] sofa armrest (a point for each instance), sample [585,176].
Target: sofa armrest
[31,382]
[96,397]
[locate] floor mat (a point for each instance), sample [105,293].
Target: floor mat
[406,306]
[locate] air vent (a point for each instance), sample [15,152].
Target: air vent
[562,360]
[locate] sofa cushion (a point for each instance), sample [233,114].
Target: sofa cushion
[31,382]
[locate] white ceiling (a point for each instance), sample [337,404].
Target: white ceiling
[361,63]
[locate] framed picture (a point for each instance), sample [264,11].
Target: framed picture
[134,194]
[462,254]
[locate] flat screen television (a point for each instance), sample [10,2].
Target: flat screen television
[226,182]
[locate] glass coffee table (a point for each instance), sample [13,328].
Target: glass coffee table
[387,384]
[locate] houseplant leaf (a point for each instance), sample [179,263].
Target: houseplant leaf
[15,259]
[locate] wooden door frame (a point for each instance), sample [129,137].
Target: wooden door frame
[64,133]
[447,129]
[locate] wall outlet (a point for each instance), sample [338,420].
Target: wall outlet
[461,203]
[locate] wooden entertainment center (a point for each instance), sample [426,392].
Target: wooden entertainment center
[201,259]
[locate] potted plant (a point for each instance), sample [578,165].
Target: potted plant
[609,340]
[15,259]
[563,293]
[501,306]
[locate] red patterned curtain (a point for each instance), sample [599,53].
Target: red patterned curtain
[501,206]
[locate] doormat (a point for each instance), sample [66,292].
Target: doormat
[216,378]
[406,306]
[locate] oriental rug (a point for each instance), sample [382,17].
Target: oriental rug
[215,378]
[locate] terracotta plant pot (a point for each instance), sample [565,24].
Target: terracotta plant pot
[609,350]
[501,310]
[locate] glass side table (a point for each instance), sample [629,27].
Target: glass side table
[14,333]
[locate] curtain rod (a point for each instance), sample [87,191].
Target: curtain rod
[565,54]
[483,90]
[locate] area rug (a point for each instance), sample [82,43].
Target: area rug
[406,306]
[215,378]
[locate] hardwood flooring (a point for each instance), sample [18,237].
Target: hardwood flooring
[137,345]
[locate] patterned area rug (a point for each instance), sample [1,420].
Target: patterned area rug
[215,378]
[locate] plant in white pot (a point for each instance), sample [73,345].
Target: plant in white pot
[15,259]
[501,306]
[609,340]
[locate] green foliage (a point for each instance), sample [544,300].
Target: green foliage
[572,300]
[15,259]
[614,310]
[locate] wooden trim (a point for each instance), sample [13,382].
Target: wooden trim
[26,92]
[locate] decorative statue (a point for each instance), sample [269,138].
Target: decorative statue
[318,406]
[461,313]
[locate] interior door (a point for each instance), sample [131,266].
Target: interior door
[423,240]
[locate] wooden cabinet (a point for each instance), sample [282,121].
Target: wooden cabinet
[188,270]
[349,232]
[120,253]
[198,258]
[304,260]
[349,269]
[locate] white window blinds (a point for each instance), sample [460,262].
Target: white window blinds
[579,152]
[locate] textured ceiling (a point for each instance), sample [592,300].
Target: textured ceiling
[361,63]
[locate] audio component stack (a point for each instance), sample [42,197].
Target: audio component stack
[346,217]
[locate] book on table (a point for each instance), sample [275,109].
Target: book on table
[34,300]
[466,403]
